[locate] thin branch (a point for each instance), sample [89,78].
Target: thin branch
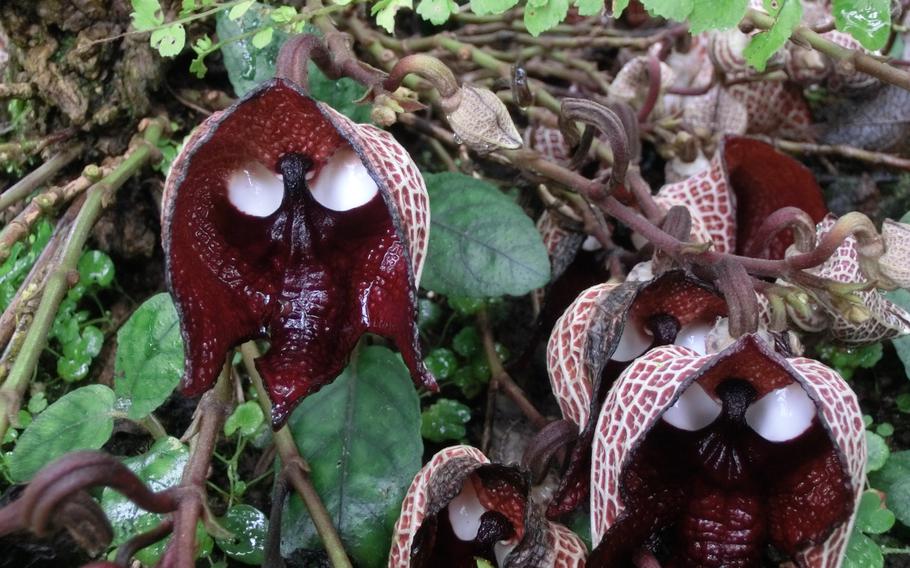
[500,380]
[19,228]
[295,469]
[60,280]
[35,179]
[850,57]
[211,413]
[868,156]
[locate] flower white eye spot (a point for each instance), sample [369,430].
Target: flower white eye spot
[693,410]
[255,190]
[502,549]
[343,182]
[782,414]
[633,342]
[465,511]
[694,336]
[591,244]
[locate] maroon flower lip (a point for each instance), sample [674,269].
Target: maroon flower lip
[709,459]
[284,220]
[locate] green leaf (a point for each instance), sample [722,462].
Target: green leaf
[169,41]
[589,7]
[246,418]
[80,420]
[481,242]
[37,403]
[467,342]
[249,526]
[283,14]
[878,451]
[487,7]
[340,94]
[202,47]
[869,21]
[677,10]
[149,361]
[247,66]
[787,14]
[161,467]
[871,516]
[894,480]
[96,268]
[903,402]
[619,6]
[436,12]
[901,297]
[239,10]
[541,16]
[385,11]
[715,14]
[444,420]
[263,37]
[146,14]
[441,362]
[862,552]
[360,468]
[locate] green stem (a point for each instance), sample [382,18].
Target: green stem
[60,280]
[859,60]
[296,468]
[890,550]
[35,179]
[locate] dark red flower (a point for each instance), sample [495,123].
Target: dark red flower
[282,219]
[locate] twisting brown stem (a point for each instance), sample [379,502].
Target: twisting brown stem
[428,68]
[653,88]
[212,411]
[132,546]
[610,125]
[736,285]
[333,56]
[787,218]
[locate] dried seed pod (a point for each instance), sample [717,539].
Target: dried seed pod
[283,219]
[869,317]
[479,119]
[461,507]
[747,181]
[711,458]
[606,327]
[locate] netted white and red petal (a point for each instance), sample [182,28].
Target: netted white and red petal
[566,549]
[413,508]
[710,202]
[398,172]
[895,263]
[886,319]
[568,364]
[653,383]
